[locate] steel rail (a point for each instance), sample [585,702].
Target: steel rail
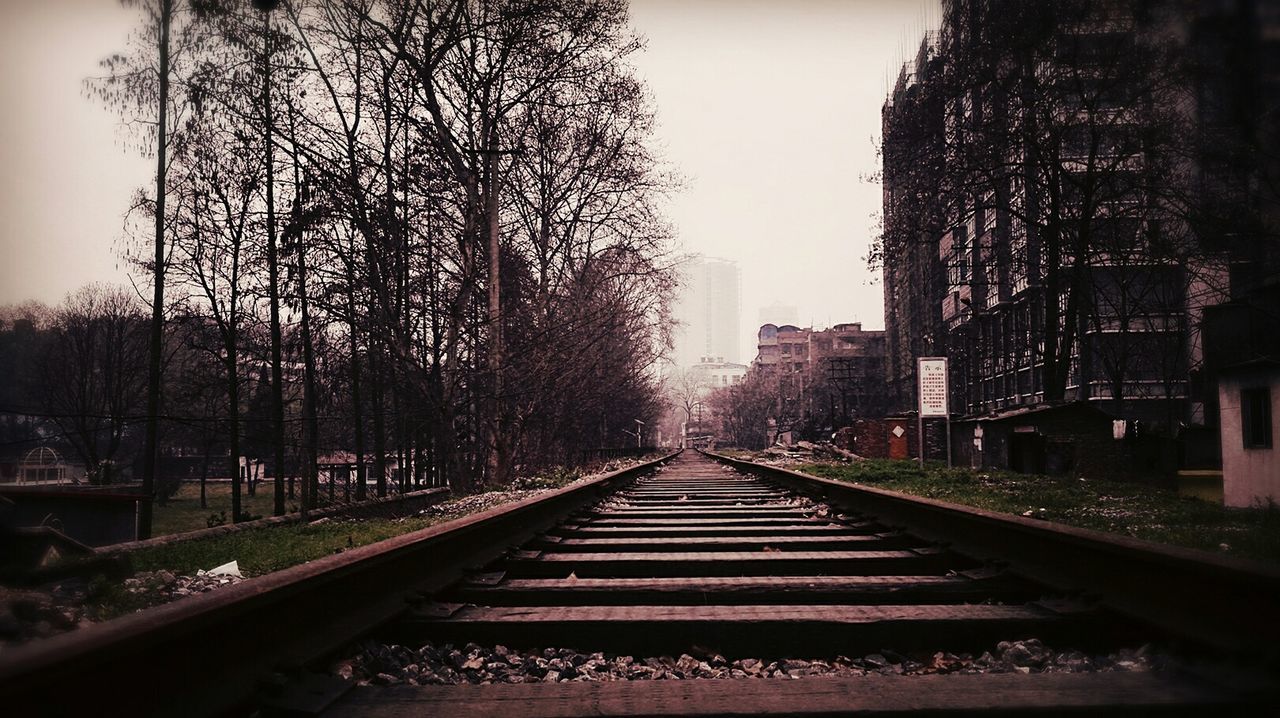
[1223,603]
[691,560]
[209,654]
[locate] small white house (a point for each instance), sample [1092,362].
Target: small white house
[1249,405]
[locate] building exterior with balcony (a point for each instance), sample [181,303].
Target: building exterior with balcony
[1065,246]
[912,269]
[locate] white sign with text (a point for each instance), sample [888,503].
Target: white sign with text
[931,373]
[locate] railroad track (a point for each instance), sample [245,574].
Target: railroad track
[727,559]
[702,558]
[701,555]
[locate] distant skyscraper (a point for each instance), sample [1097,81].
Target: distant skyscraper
[779,314]
[708,312]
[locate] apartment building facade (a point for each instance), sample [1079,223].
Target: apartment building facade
[1043,190]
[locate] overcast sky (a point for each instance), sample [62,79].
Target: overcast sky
[770,110]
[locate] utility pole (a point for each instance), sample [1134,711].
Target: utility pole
[273,263]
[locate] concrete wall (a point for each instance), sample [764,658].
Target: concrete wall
[874,438]
[94,516]
[1249,476]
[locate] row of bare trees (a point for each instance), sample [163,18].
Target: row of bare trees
[429,227]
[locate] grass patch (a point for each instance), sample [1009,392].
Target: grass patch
[272,548]
[266,549]
[182,512]
[552,478]
[1127,509]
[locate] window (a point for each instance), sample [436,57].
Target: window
[1255,410]
[958,261]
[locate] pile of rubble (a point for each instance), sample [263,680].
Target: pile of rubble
[381,664]
[29,614]
[476,503]
[804,452]
[165,586]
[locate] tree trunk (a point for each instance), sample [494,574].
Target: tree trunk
[311,432]
[379,425]
[362,487]
[157,297]
[204,474]
[495,463]
[233,427]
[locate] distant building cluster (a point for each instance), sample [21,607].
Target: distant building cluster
[817,380]
[715,372]
[1081,202]
[705,340]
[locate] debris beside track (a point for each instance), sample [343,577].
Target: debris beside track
[40,612]
[475,503]
[383,664]
[74,603]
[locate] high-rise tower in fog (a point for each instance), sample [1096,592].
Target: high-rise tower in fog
[708,311]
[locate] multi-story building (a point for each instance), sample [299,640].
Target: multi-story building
[1049,158]
[821,379]
[708,311]
[714,372]
[913,149]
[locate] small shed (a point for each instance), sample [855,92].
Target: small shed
[1249,405]
[1053,438]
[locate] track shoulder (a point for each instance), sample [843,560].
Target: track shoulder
[1043,694]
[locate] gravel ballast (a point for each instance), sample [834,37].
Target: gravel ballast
[389,664]
[29,614]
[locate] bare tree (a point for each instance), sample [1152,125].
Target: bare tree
[212,251]
[471,229]
[93,374]
[742,412]
[138,87]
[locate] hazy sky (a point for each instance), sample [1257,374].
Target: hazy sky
[65,180]
[770,109]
